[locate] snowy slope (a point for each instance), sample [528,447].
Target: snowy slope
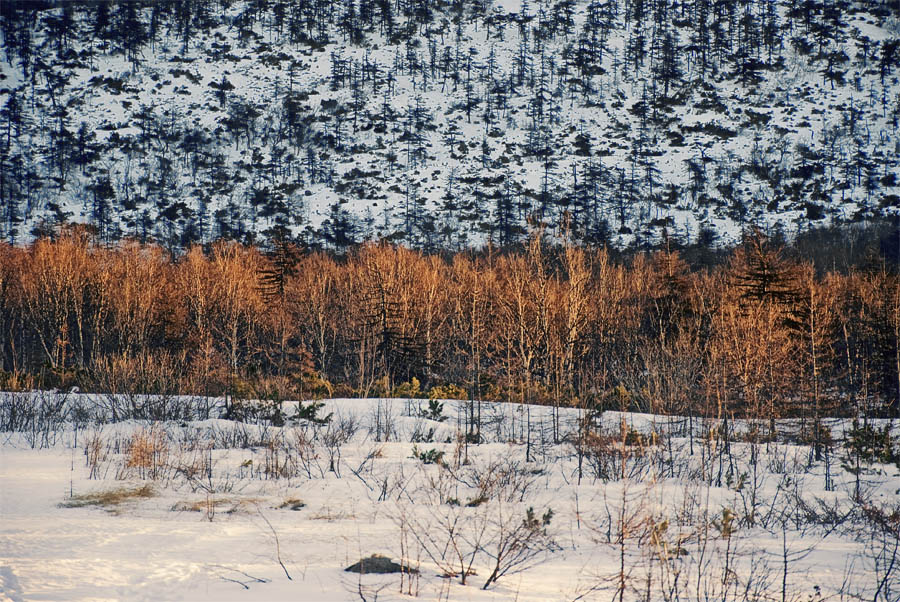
[458,126]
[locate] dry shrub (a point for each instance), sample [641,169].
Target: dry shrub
[278,463]
[613,457]
[18,381]
[505,479]
[95,453]
[140,386]
[198,468]
[148,453]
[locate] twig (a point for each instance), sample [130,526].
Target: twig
[241,583]
[277,543]
[238,581]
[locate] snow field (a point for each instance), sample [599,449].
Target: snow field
[218,522]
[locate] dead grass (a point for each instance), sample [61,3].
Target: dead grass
[292,504]
[228,505]
[109,499]
[331,515]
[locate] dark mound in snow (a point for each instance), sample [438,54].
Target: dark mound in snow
[376,564]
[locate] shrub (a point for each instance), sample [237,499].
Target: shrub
[518,545]
[311,413]
[434,412]
[148,452]
[431,456]
[408,390]
[266,410]
[636,438]
[871,444]
[448,391]
[725,525]
[315,385]
[17,381]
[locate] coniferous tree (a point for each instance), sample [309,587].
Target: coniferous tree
[129,30]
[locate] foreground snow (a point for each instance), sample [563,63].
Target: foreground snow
[218,521]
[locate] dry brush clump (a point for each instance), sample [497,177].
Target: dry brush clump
[147,454]
[469,516]
[40,416]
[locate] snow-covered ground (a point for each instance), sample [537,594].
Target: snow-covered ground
[793,148]
[220,510]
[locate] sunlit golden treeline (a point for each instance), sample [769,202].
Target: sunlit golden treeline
[759,335]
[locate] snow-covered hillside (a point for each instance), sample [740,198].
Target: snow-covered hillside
[652,507]
[444,124]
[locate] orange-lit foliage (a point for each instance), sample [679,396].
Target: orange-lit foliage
[761,335]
